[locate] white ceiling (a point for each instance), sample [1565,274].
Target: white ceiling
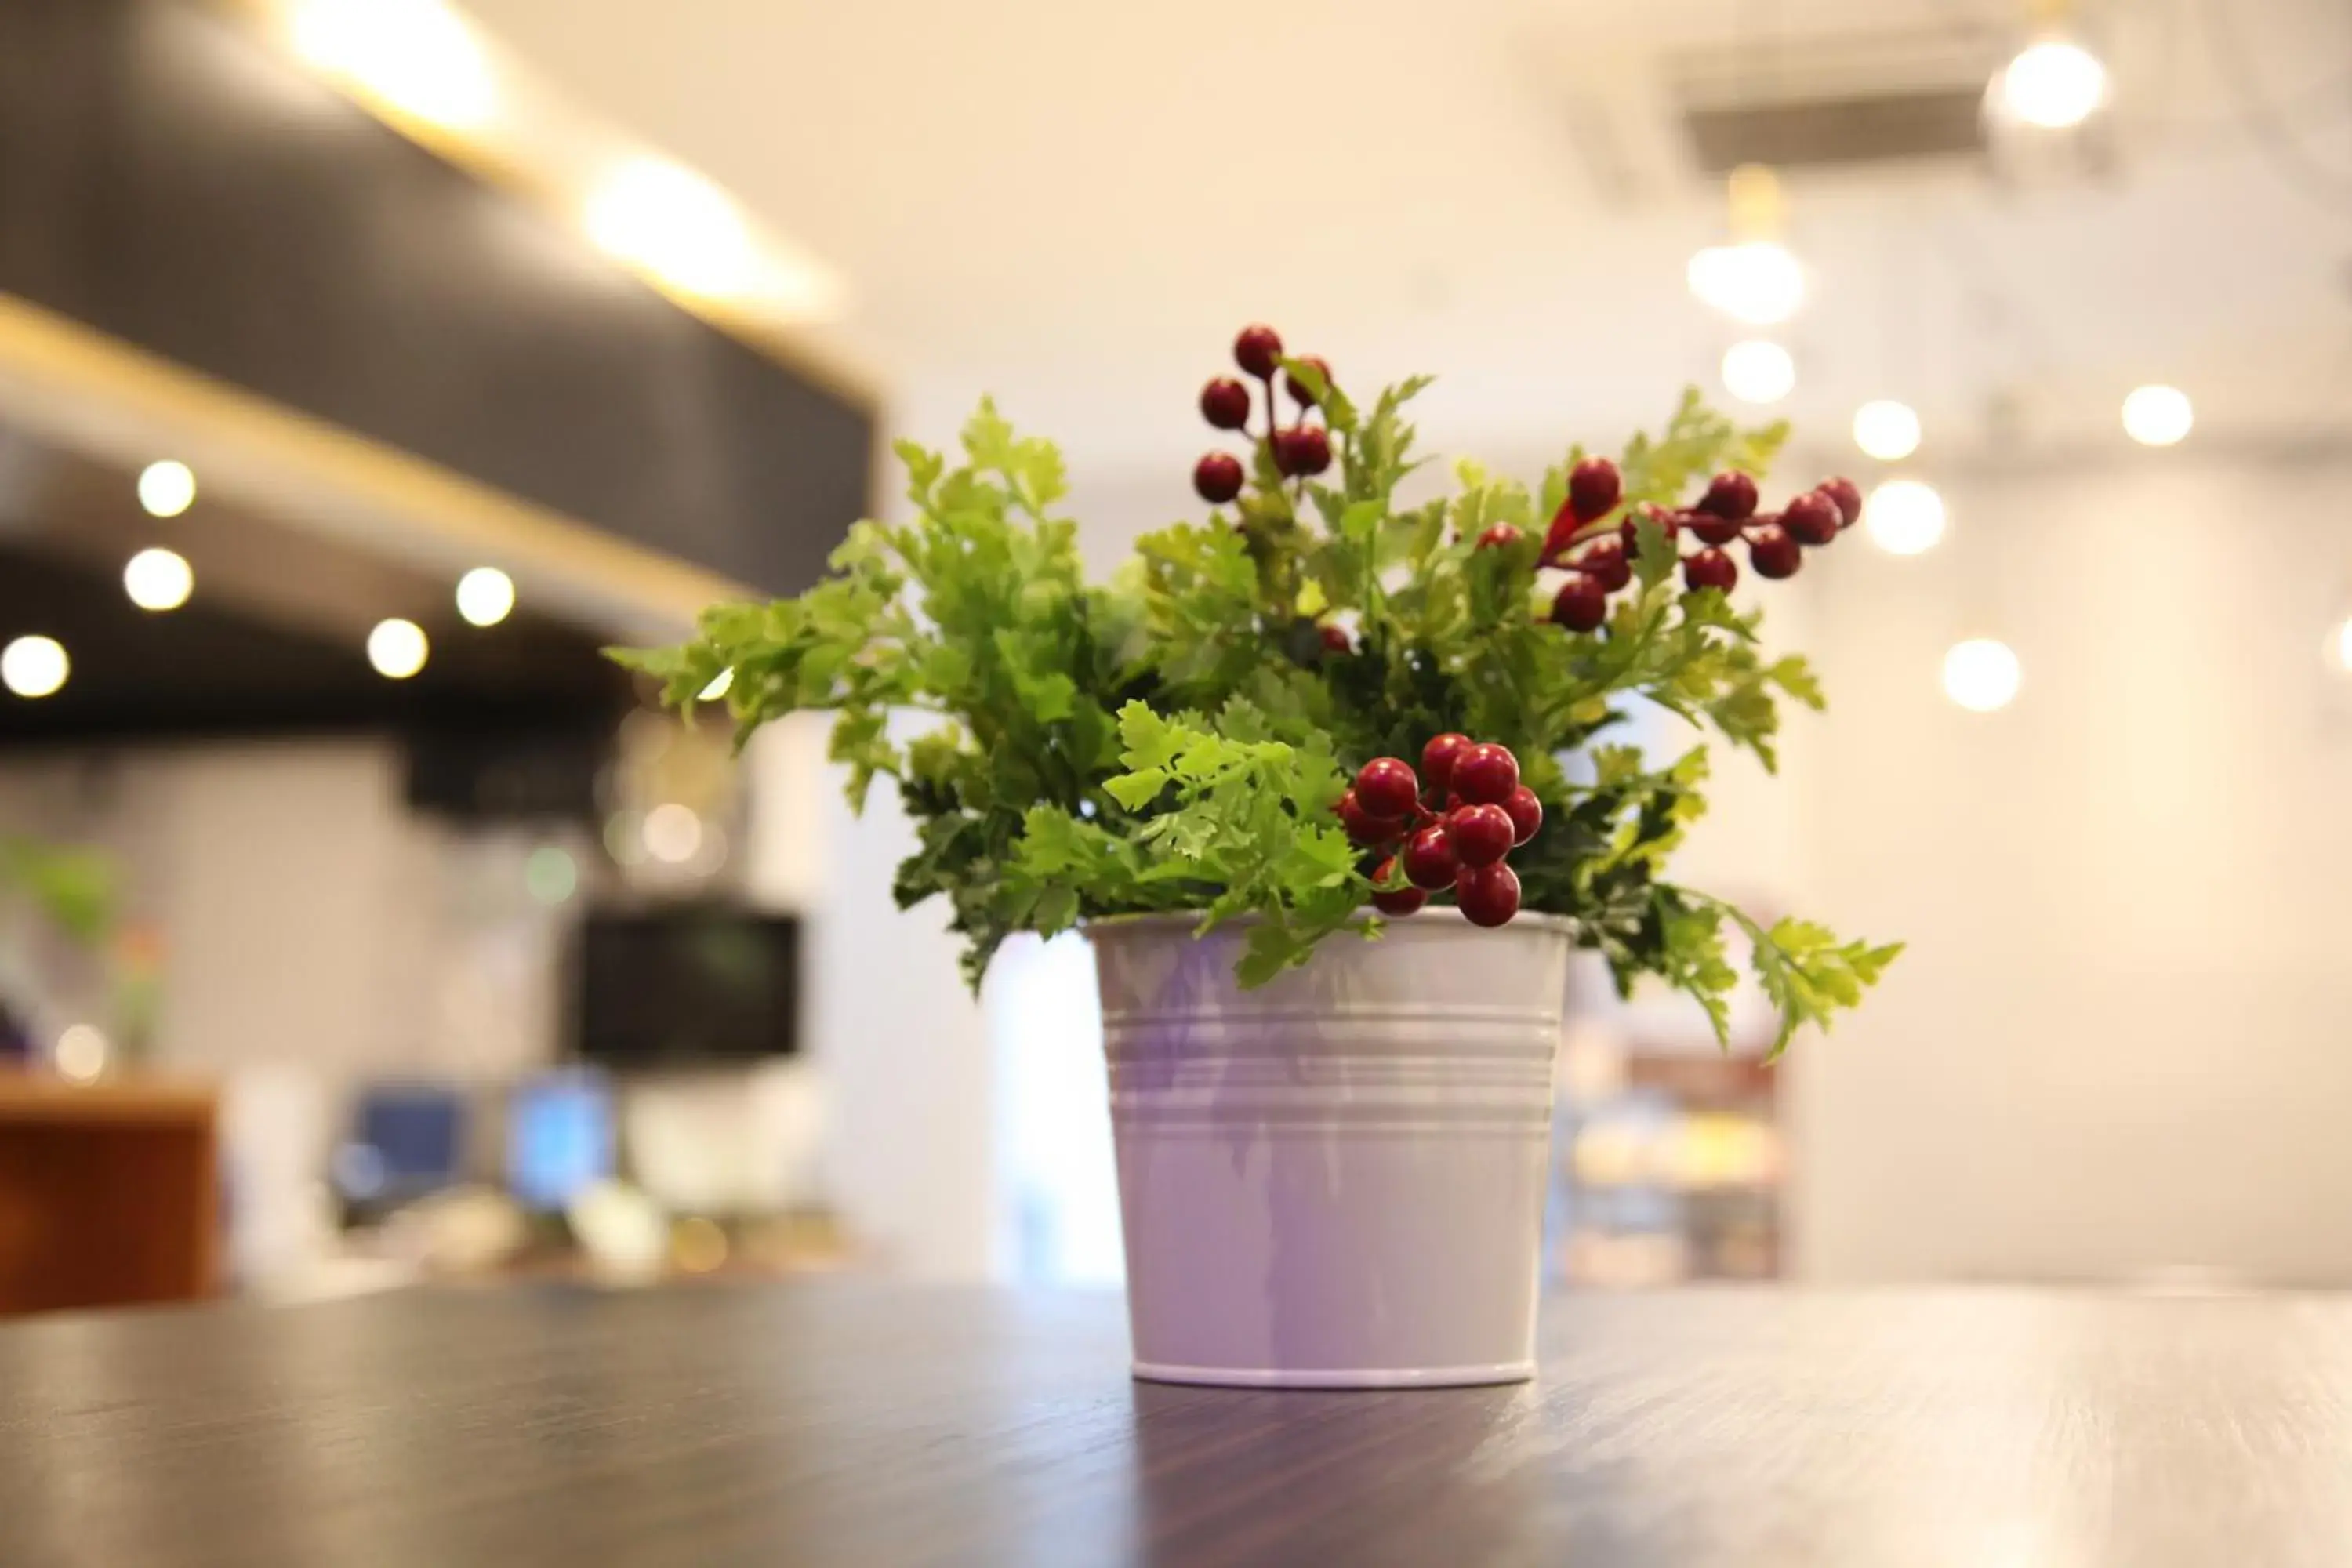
[1073,205]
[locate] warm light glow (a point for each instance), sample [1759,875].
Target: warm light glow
[1980,675]
[1903,517]
[2052,84]
[1886,430]
[34,665]
[158,579]
[1759,371]
[718,685]
[397,648]
[166,488]
[677,225]
[2158,415]
[485,596]
[672,833]
[550,874]
[80,1054]
[417,56]
[1759,282]
[2339,645]
[698,1246]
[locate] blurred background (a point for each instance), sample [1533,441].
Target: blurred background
[366,366]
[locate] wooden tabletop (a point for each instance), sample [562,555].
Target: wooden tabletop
[819,1424]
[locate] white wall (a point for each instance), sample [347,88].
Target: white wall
[2119,1043]
[902,1046]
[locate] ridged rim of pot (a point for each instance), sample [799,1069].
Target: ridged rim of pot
[1532,918]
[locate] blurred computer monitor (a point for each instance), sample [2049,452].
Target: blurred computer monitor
[559,1138]
[407,1140]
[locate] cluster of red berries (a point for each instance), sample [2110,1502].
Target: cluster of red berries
[1299,449]
[1600,561]
[1486,814]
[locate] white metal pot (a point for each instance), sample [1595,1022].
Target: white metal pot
[1336,1180]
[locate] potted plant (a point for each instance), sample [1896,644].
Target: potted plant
[1327,778]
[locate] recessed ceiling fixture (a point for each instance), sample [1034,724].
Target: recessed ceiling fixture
[1886,430]
[1903,517]
[676,224]
[2053,84]
[1754,278]
[1759,371]
[2158,415]
[166,488]
[158,579]
[486,596]
[1982,674]
[416,57]
[397,648]
[34,665]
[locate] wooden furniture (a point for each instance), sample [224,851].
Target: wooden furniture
[109,1194]
[834,1423]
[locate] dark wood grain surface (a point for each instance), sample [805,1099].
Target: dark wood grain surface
[821,1424]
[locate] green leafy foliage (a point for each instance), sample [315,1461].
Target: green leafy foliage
[1176,740]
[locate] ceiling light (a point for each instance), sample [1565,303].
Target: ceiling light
[1903,517]
[718,685]
[1757,282]
[1980,674]
[34,665]
[672,833]
[2158,415]
[417,56]
[486,596]
[1759,371]
[2052,84]
[397,648]
[2339,645]
[158,579]
[166,488]
[675,224]
[1886,430]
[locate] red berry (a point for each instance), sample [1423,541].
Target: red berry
[1225,403]
[1485,775]
[1335,639]
[1502,536]
[1593,488]
[1428,858]
[1561,533]
[1709,529]
[1811,519]
[1256,349]
[1480,835]
[1218,478]
[1628,532]
[1302,450]
[1366,826]
[1730,495]
[1298,389]
[1402,901]
[1605,562]
[1526,813]
[1847,497]
[1580,605]
[1710,568]
[1489,895]
[1437,759]
[1387,788]
[1774,552]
